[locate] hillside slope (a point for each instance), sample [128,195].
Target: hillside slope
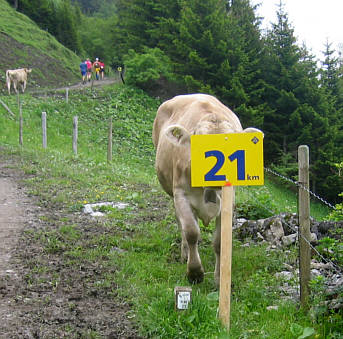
[24,44]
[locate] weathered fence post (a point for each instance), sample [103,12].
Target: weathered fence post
[304,225]
[18,99]
[109,143]
[67,94]
[44,136]
[75,133]
[226,255]
[20,125]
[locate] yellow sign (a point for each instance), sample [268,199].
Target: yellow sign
[227,159]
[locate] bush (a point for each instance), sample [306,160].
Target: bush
[337,213]
[145,70]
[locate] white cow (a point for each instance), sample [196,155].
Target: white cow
[15,77]
[176,120]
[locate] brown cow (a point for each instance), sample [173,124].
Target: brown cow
[176,120]
[15,77]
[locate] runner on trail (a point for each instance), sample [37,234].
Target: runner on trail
[96,67]
[89,69]
[102,70]
[83,70]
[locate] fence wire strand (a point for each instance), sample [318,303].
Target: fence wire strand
[336,267]
[298,184]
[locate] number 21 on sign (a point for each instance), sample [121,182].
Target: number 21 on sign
[219,159]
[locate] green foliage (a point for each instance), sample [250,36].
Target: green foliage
[337,213]
[301,333]
[145,70]
[57,17]
[332,249]
[96,42]
[93,7]
[263,206]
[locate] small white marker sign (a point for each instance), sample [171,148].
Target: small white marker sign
[183,300]
[183,296]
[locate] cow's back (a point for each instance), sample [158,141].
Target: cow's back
[188,110]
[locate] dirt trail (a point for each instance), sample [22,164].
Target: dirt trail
[95,83]
[15,212]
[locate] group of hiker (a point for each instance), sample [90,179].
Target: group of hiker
[87,68]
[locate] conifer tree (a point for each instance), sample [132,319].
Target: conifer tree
[134,20]
[300,108]
[244,55]
[66,28]
[281,74]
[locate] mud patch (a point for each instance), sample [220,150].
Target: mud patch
[44,293]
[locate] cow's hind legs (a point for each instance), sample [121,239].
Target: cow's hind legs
[184,244]
[195,271]
[190,236]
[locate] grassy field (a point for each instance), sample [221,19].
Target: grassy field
[142,240]
[24,44]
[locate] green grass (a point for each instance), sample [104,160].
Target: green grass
[142,240]
[38,49]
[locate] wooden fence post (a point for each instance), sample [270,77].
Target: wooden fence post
[20,125]
[226,255]
[75,133]
[67,95]
[109,143]
[44,135]
[18,99]
[304,225]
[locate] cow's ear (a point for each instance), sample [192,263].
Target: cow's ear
[178,135]
[252,130]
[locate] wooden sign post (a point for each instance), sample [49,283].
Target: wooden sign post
[226,256]
[227,160]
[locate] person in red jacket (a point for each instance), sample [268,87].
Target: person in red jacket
[89,69]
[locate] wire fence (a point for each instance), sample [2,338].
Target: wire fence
[334,266]
[298,184]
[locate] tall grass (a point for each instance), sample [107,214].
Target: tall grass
[142,240]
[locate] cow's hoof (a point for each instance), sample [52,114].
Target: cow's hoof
[195,277]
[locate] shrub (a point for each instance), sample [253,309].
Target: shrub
[145,70]
[337,213]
